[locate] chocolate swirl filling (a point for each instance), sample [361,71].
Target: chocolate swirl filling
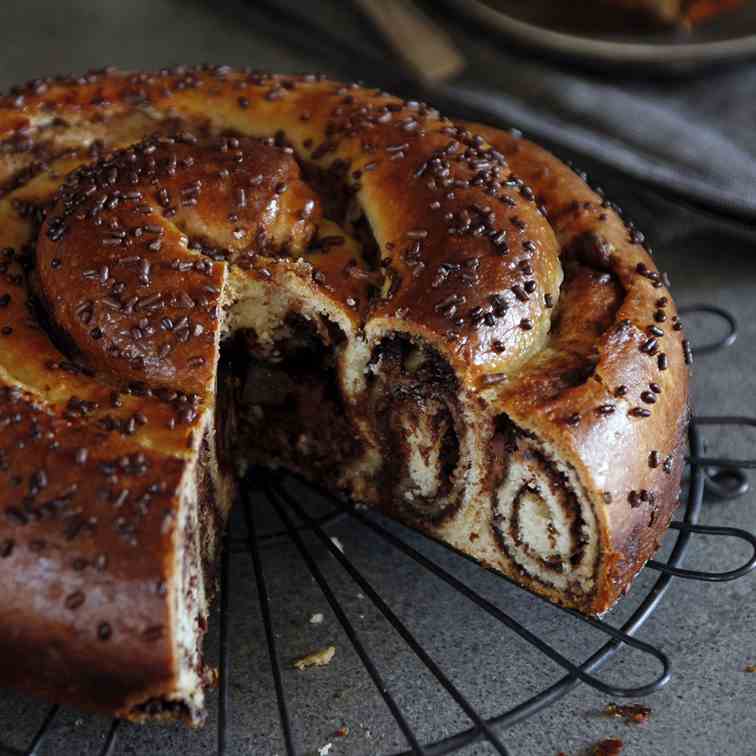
[546,527]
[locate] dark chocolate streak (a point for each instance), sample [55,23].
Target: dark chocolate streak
[397,394]
[292,393]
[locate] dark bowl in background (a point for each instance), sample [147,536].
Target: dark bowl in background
[615,38]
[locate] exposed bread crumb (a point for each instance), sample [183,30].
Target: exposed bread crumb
[316,658]
[631,713]
[210,677]
[316,618]
[608,747]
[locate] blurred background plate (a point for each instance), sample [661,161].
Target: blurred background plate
[584,32]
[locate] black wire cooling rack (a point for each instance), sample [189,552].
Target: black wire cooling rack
[718,477]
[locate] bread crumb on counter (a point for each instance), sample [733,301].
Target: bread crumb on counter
[316,659]
[608,747]
[631,713]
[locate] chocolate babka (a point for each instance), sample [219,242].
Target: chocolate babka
[203,268]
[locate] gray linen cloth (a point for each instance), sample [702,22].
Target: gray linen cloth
[694,135]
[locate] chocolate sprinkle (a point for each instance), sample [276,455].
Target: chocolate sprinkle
[74,600]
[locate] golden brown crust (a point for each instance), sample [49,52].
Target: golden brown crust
[122,247]
[76,601]
[635,396]
[129,250]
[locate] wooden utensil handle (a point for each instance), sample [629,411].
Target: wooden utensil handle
[416,38]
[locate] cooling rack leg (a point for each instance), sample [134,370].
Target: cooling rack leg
[264,599]
[108,748]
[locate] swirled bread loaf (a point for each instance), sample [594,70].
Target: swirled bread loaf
[207,266]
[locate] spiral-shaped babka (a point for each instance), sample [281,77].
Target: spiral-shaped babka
[205,267]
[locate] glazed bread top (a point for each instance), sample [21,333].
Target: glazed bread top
[445,212]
